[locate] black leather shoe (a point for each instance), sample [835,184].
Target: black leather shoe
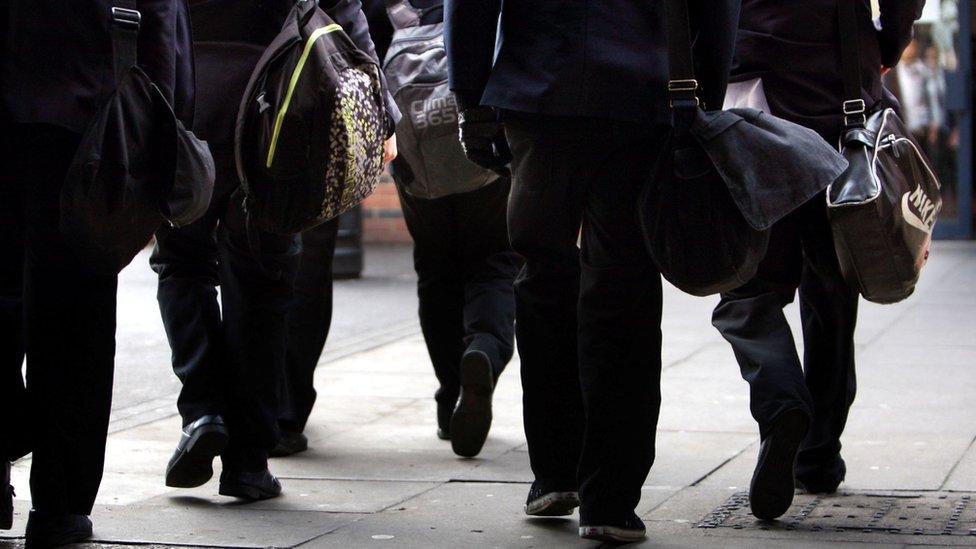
[445,410]
[471,420]
[628,530]
[543,502]
[250,485]
[823,478]
[45,530]
[290,443]
[192,462]
[6,498]
[772,487]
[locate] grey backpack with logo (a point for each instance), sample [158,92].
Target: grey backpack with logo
[431,163]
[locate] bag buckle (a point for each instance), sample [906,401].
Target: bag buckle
[126,18]
[854,113]
[678,88]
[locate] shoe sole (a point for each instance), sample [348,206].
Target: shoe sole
[611,534]
[553,504]
[245,491]
[59,539]
[194,466]
[472,418]
[772,487]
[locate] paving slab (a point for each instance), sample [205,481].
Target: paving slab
[356,459]
[512,466]
[191,523]
[706,393]
[901,462]
[458,515]
[331,496]
[333,408]
[686,457]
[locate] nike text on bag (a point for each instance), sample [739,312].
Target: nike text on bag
[136,166]
[433,163]
[311,126]
[724,180]
[883,208]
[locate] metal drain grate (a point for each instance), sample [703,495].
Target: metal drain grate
[930,514]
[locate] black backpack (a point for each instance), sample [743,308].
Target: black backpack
[432,163]
[311,126]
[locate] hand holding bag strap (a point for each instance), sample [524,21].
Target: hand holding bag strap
[850,58]
[682,84]
[126,21]
[403,14]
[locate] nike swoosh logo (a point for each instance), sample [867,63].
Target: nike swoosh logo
[911,218]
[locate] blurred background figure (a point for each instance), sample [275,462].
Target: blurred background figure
[932,91]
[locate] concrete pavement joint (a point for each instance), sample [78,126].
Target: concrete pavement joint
[972,444]
[723,464]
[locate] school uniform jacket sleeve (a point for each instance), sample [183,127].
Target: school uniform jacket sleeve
[714,24]
[470,33]
[897,20]
[167,56]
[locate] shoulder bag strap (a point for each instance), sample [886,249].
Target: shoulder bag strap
[682,84]
[850,58]
[402,14]
[126,21]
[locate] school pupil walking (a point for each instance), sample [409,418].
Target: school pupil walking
[802,406]
[455,212]
[231,358]
[56,65]
[579,92]
[310,313]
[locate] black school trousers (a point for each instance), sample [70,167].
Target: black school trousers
[465,271]
[802,257]
[589,318]
[229,355]
[309,321]
[62,316]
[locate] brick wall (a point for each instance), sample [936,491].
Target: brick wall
[382,218]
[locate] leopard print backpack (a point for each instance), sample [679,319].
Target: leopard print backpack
[311,126]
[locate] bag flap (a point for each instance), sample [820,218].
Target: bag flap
[860,137]
[771,166]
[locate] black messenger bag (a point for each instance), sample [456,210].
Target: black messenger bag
[724,178]
[311,126]
[136,166]
[883,208]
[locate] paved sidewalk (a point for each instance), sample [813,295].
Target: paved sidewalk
[376,475]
